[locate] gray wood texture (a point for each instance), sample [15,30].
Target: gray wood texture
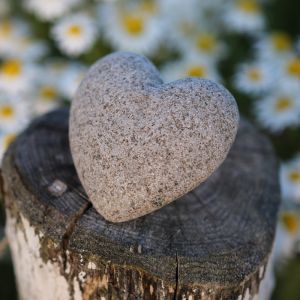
[213,243]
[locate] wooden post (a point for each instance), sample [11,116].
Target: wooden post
[213,243]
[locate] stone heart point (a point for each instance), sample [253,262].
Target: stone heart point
[139,143]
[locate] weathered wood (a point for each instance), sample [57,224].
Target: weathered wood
[213,243]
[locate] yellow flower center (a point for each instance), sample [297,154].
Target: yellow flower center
[5,28]
[6,111]
[48,93]
[74,30]
[254,74]
[206,42]
[293,67]
[281,41]
[294,176]
[290,221]
[196,71]
[8,139]
[134,25]
[248,6]
[283,103]
[11,68]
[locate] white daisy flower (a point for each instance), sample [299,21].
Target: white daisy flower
[183,23]
[178,34]
[71,78]
[289,72]
[273,46]
[206,44]
[75,34]
[6,138]
[16,41]
[10,31]
[45,98]
[27,49]
[290,179]
[47,94]
[182,19]
[14,113]
[55,68]
[17,76]
[254,78]
[190,67]
[49,10]
[279,110]
[244,16]
[287,234]
[132,27]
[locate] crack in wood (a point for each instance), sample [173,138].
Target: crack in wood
[70,229]
[65,242]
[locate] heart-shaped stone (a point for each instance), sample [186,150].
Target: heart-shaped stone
[138,143]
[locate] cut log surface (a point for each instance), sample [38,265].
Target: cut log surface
[213,243]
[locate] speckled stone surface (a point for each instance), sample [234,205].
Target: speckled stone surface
[138,143]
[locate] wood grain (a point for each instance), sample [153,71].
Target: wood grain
[212,243]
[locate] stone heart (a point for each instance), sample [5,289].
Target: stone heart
[138,143]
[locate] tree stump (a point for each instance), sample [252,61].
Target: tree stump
[213,243]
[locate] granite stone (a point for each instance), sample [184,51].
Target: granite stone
[138,143]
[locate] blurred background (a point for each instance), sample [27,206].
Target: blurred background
[250,46]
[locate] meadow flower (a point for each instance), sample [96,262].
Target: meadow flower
[132,26]
[54,67]
[71,78]
[45,98]
[178,34]
[289,72]
[254,78]
[75,34]
[10,31]
[27,49]
[278,110]
[6,138]
[182,20]
[287,234]
[16,41]
[16,76]
[273,46]
[47,94]
[14,113]
[290,179]
[205,44]
[49,10]
[244,16]
[190,67]
[192,27]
